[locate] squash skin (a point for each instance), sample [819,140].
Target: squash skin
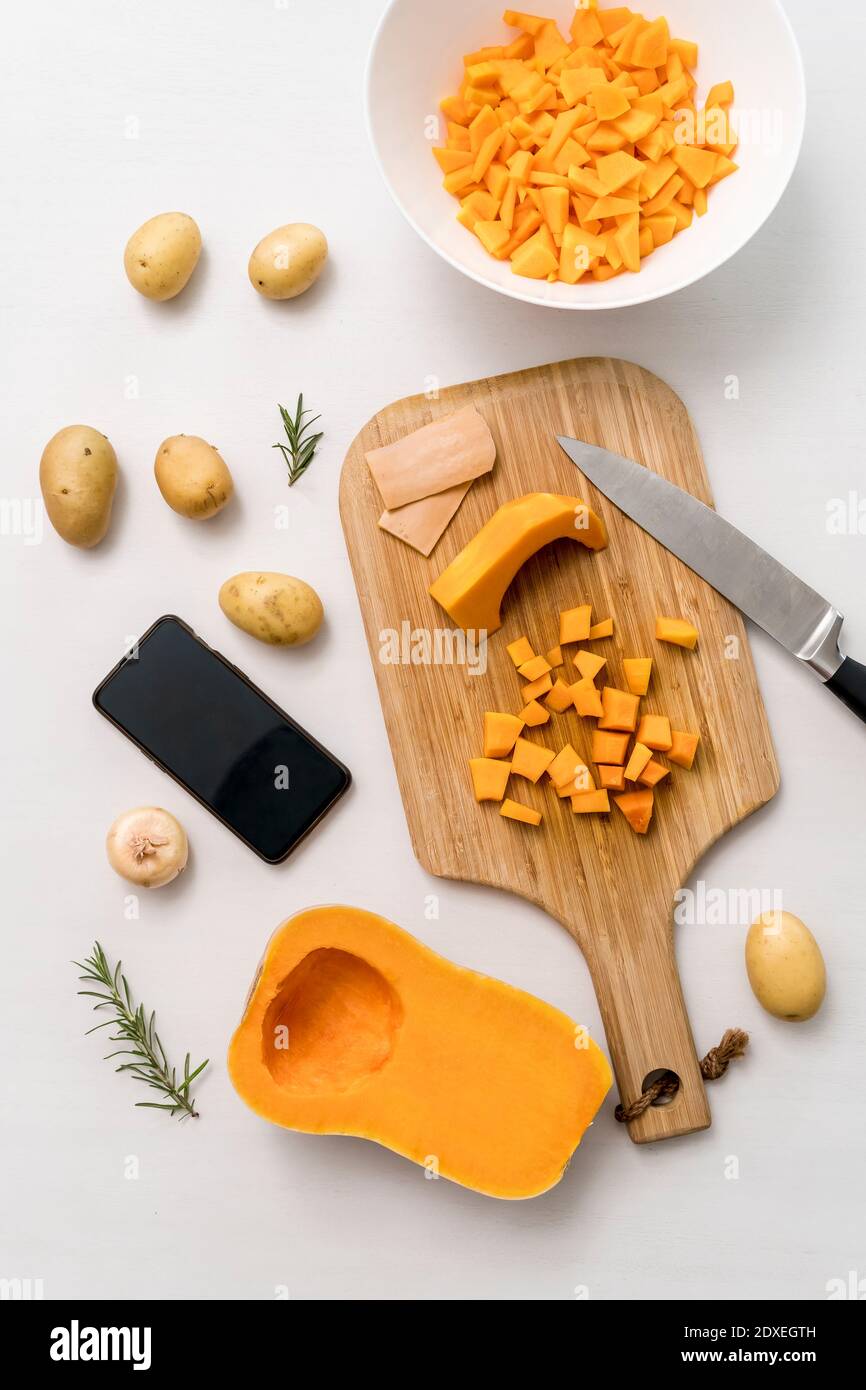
[436,1062]
[471,589]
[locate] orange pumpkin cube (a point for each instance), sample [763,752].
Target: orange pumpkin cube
[501,732]
[593,802]
[638,670]
[655,731]
[683,748]
[637,807]
[587,699]
[653,773]
[489,778]
[677,631]
[534,715]
[612,778]
[554,656]
[569,770]
[536,689]
[609,748]
[640,756]
[560,698]
[602,629]
[575,624]
[520,651]
[533,670]
[513,810]
[531,760]
[588,664]
[620,710]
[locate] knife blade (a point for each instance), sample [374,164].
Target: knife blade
[797,617]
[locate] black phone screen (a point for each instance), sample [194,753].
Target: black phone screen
[203,722]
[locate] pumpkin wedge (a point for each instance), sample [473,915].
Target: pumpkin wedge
[472,588]
[353,1027]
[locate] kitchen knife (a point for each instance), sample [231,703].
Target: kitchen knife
[764,590]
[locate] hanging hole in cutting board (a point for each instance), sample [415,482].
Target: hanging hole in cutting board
[668,1096]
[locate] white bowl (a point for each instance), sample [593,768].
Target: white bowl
[416,59]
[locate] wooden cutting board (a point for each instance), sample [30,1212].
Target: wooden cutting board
[611,889]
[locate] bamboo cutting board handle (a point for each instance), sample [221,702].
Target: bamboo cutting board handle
[634,972]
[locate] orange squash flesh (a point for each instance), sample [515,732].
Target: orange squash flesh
[501,732]
[388,1041]
[472,588]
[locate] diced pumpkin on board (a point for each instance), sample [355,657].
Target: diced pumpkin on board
[594,803]
[536,689]
[683,748]
[655,731]
[566,766]
[531,760]
[588,664]
[611,778]
[587,699]
[575,624]
[638,670]
[534,715]
[560,698]
[620,710]
[533,669]
[514,810]
[501,732]
[489,778]
[609,748]
[600,630]
[637,807]
[554,656]
[677,631]
[653,773]
[520,651]
[640,756]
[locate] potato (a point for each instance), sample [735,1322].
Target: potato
[287,261]
[78,475]
[192,477]
[275,608]
[785,966]
[162,255]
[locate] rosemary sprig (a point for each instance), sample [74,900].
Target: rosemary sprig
[302,445]
[134,1027]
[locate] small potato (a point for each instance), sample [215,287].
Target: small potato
[78,475]
[162,255]
[192,477]
[275,608]
[287,261]
[785,966]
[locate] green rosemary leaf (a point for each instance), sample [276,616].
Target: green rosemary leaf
[150,1065]
[298,454]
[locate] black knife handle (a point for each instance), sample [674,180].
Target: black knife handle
[849,685]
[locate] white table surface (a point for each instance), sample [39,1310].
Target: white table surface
[237,121]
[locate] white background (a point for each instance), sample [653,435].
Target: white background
[248,116]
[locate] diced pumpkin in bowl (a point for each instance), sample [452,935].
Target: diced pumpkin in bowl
[560,698]
[489,778]
[587,699]
[536,689]
[534,715]
[655,731]
[609,748]
[638,670]
[520,651]
[501,732]
[612,779]
[677,631]
[653,773]
[533,669]
[514,810]
[637,807]
[588,664]
[575,624]
[683,748]
[620,709]
[640,756]
[595,803]
[531,760]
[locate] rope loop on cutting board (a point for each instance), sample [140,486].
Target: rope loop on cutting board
[714,1065]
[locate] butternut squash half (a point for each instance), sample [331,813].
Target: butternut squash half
[471,589]
[354,1027]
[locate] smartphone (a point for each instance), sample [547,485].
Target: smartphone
[222,739]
